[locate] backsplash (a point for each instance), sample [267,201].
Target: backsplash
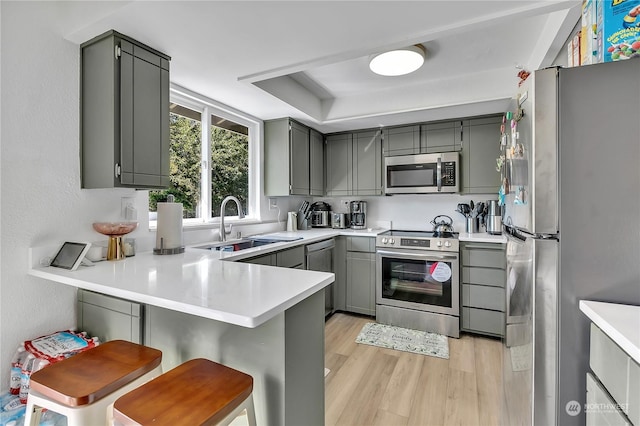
[410,212]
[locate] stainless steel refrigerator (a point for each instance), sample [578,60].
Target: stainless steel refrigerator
[571,179]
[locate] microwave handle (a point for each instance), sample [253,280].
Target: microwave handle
[439,174]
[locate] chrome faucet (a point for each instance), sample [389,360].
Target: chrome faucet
[223,230]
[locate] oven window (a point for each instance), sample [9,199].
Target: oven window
[418,281]
[411,175]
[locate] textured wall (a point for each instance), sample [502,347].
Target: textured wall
[42,202]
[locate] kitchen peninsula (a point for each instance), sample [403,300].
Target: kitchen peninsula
[263,320]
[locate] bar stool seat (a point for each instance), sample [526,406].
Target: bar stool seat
[197,392]
[83,386]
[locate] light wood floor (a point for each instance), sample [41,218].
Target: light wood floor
[368,385]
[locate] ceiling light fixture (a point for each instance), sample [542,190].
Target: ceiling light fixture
[398,62]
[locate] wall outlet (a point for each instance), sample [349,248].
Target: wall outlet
[127,208]
[345,204]
[273,203]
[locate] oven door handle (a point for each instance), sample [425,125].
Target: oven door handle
[415,255]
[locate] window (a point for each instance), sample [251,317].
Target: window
[210,152]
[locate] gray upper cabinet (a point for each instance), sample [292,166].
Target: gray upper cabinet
[124,114]
[479,154]
[442,136]
[367,163]
[294,156]
[299,159]
[354,163]
[339,154]
[316,163]
[403,140]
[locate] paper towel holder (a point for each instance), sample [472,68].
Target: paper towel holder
[162,249]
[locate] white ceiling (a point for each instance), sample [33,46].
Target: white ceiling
[309,59]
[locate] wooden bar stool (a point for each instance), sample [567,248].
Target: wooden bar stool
[84,386]
[197,392]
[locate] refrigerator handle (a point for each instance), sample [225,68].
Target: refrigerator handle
[439,174]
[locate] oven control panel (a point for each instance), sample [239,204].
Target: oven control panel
[438,244]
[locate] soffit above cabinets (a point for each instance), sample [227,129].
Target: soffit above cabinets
[309,59]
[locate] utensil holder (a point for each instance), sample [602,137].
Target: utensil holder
[472,225]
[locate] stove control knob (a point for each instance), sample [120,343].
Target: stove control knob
[392,241]
[384,241]
[439,243]
[447,244]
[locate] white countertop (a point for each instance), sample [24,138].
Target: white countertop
[306,237]
[482,237]
[620,322]
[197,282]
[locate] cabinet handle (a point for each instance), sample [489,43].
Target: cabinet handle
[118,51]
[117,170]
[461,134]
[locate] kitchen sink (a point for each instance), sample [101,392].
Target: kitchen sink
[243,244]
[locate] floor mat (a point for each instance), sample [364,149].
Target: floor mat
[404,339]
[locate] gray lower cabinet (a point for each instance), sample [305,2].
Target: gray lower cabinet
[479,153]
[289,258]
[482,288]
[110,318]
[265,259]
[124,114]
[403,140]
[613,390]
[361,275]
[286,152]
[340,271]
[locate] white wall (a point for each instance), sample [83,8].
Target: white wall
[411,212]
[40,169]
[43,203]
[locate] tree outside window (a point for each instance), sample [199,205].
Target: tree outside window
[228,165]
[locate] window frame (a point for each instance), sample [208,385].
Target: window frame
[206,107]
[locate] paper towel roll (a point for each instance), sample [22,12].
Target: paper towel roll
[169,230]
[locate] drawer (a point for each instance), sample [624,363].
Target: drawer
[614,369]
[265,259]
[290,258]
[110,318]
[491,322]
[477,296]
[365,244]
[109,302]
[600,410]
[479,255]
[484,276]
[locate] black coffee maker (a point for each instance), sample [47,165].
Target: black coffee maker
[357,214]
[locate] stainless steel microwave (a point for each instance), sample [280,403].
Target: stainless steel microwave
[422,174]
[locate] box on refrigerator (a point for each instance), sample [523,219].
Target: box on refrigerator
[588,47]
[618,30]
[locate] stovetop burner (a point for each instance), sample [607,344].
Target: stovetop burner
[418,240]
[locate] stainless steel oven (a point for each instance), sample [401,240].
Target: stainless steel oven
[417,281]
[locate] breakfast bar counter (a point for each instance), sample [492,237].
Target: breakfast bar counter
[262,320]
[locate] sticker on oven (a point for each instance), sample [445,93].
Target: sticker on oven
[440,271]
